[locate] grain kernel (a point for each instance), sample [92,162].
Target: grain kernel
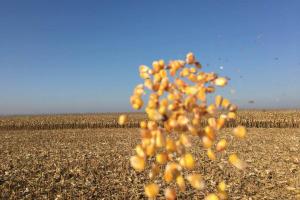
[231,115]
[212,197]
[140,151]
[180,182]
[221,81]
[170,194]
[207,143]
[137,163]
[154,171]
[210,132]
[225,103]
[235,161]
[151,190]
[222,186]
[187,161]
[240,132]
[218,100]
[170,145]
[196,181]
[190,58]
[161,158]
[122,119]
[221,145]
[211,155]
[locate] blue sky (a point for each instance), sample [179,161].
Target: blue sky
[83,56]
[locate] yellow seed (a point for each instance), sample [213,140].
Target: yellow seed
[151,190]
[231,115]
[212,122]
[221,81]
[160,139]
[145,134]
[190,58]
[222,195]
[163,73]
[210,132]
[179,147]
[137,103]
[240,132]
[163,110]
[182,120]
[154,171]
[218,100]
[187,161]
[150,150]
[235,161]
[195,121]
[220,123]
[207,143]
[164,84]
[233,108]
[225,103]
[144,69]
[181,183]
[161,63]
[170,194]
[153,114]
[201,94]
[148,84]
[191,90]
[212,197]
[164,102]
[201,77]
[221,145]
[211,155]
[196,181]
[173,72]
[192,77]
[193,130]
[211,109]
[157,79]
[211,76]
[193,70]
[170,145]
[185,72]
[162,158]
[122,119]
[144,75]
[152,125]
[198,65]
[137,163]
[168,176]
[222,186]
[210,89]
[185,140]
[140,151]
[143,124]
[171,172]
[180,83]
[156,66]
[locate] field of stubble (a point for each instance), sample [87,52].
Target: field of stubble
[94,164]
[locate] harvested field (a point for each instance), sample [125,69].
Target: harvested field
[94,164]
[248,118]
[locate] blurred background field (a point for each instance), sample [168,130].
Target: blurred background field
[248,118]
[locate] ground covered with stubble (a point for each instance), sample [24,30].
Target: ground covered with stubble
[94,164]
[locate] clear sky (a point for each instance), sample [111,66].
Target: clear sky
[82,56]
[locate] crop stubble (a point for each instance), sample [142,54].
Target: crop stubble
[94,163]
